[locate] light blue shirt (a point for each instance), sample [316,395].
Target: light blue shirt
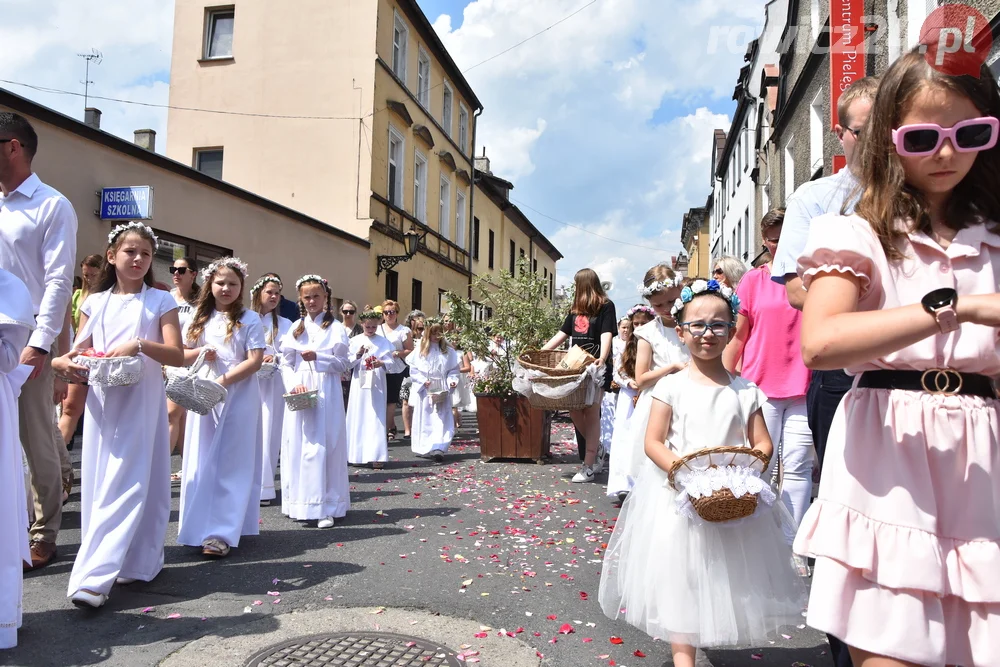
[811,200]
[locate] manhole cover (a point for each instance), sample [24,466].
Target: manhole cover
[355,649]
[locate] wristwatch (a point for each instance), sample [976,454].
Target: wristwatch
[941,304]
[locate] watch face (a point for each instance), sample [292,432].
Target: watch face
[939,298]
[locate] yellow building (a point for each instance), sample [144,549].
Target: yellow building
[695,240]
[350,111]
[502,234]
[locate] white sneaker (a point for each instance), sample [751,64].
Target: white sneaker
[124,581]
[325,522]
[586,474]
[599,463]
[88,599]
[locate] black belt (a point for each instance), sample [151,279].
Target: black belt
[932,381]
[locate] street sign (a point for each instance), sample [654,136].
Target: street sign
[847,49]
[129,203]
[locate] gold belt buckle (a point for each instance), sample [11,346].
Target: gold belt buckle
[939,381]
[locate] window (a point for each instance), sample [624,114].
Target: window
[738,154]
[395,185]
[512,255]
[417,294]
[534,266]
[816,133]
[447,102]
[747,140]
[400,37]
[423,79]
[442,301]
[475,238]
[172,246]
[552,286]
[444,208]
[463,128]
[492,240]
[219,33]
[789,168]
[209,162]
[460,219]
[391,285]
[749,231]
[420,187]
[545,272]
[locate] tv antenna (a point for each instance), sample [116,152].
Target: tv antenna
[96,57]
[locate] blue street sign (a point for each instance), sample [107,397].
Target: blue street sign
[131,203]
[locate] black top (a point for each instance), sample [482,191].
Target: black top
[289,309]
[586,331]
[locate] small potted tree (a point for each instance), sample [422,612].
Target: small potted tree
[520,318]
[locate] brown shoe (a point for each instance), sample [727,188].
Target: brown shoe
[42,553]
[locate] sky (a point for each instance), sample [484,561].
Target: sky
[603,122]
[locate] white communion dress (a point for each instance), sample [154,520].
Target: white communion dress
[627,454]
[314,482]
[623,422]
[433,424]
[366,440]
[272,402]
[686,580]
[220,488]
[125,465]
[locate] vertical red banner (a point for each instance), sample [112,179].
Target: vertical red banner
[847,55]
[839,162]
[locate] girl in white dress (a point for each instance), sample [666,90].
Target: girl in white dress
[265,296]
[16,322]
[184,275]
[124,489]
[628,393]
[314,484]
[220,489]
[659,353]
[369,357]
[433,370]
[402,338]
[680,578]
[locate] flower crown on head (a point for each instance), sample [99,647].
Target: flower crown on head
[309,278]
[431,321]
[136,225]
[234,263]
[371,314]
[657,285]
[259,285]
[640,308]
[701,286]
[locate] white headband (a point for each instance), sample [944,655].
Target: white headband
[312,277]
[134,225]
[234,263]
[656,286]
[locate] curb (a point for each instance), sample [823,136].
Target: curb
[436,629]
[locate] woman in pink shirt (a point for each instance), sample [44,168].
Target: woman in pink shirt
[767,342]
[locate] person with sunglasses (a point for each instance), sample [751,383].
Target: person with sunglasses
[402,339]
[415,321]
[729,271]
[903,294]
[184,276]
[349,318]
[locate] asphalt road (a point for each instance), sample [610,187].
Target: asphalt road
[514,547]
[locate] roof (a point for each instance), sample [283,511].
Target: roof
[417,15]
[490,185]
[32,109]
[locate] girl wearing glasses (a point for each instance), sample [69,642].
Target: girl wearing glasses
[906,530]
[183,274]
[402,339]
[676,576]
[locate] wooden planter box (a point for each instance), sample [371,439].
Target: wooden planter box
[510,429]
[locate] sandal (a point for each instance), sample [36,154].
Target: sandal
[175,478]
[213,547]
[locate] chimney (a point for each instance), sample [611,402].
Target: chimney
[146,139]
[92,117]
[483,163]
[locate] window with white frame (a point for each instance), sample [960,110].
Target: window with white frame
[789,168]
[420,187]
[444,207]
[400,41]
[738,157]
[447,104]
[397,144]
[816,133]
[749,231]
[423,78]
[219,33]
[460,219]
[747,140]
[463,128]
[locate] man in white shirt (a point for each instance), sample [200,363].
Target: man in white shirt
[38,245]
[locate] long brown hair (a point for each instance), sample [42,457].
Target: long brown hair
[590,295]
[109,278]
[257,304]
[94,262]
[328,317]
[205,306]
[631,351]
[885,195]
[425,342]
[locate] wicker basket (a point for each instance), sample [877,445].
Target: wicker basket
[722,505]
[575,401]
[546,361]
[191,391]
[267,370]
[439,396]
[112,371]
[307,400]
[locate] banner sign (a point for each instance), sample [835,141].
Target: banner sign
[847,55]
[131,203]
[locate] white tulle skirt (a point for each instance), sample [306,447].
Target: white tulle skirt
[697,583]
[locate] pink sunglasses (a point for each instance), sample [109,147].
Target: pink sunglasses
[975,134]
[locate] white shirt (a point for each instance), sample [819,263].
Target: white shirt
[38,245]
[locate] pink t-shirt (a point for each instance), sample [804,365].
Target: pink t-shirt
[772,358]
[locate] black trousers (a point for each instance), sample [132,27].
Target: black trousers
[826,389]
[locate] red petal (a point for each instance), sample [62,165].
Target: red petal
[617,640]
[566,629]
[552,617]
[639,654]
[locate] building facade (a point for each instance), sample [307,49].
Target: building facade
[351,112]
[193,214]
[695,235]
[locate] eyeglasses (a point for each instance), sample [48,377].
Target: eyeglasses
[717,272]
[179,270]
[856,133]
[348,312]
[975,134]
[699,329]
[388,312]
[418,328]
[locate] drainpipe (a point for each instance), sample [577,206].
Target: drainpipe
[472,193]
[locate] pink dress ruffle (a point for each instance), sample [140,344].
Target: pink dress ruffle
[906,530]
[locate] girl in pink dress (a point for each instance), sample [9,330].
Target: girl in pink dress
[906,531]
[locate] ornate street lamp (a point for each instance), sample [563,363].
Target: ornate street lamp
[411,241]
